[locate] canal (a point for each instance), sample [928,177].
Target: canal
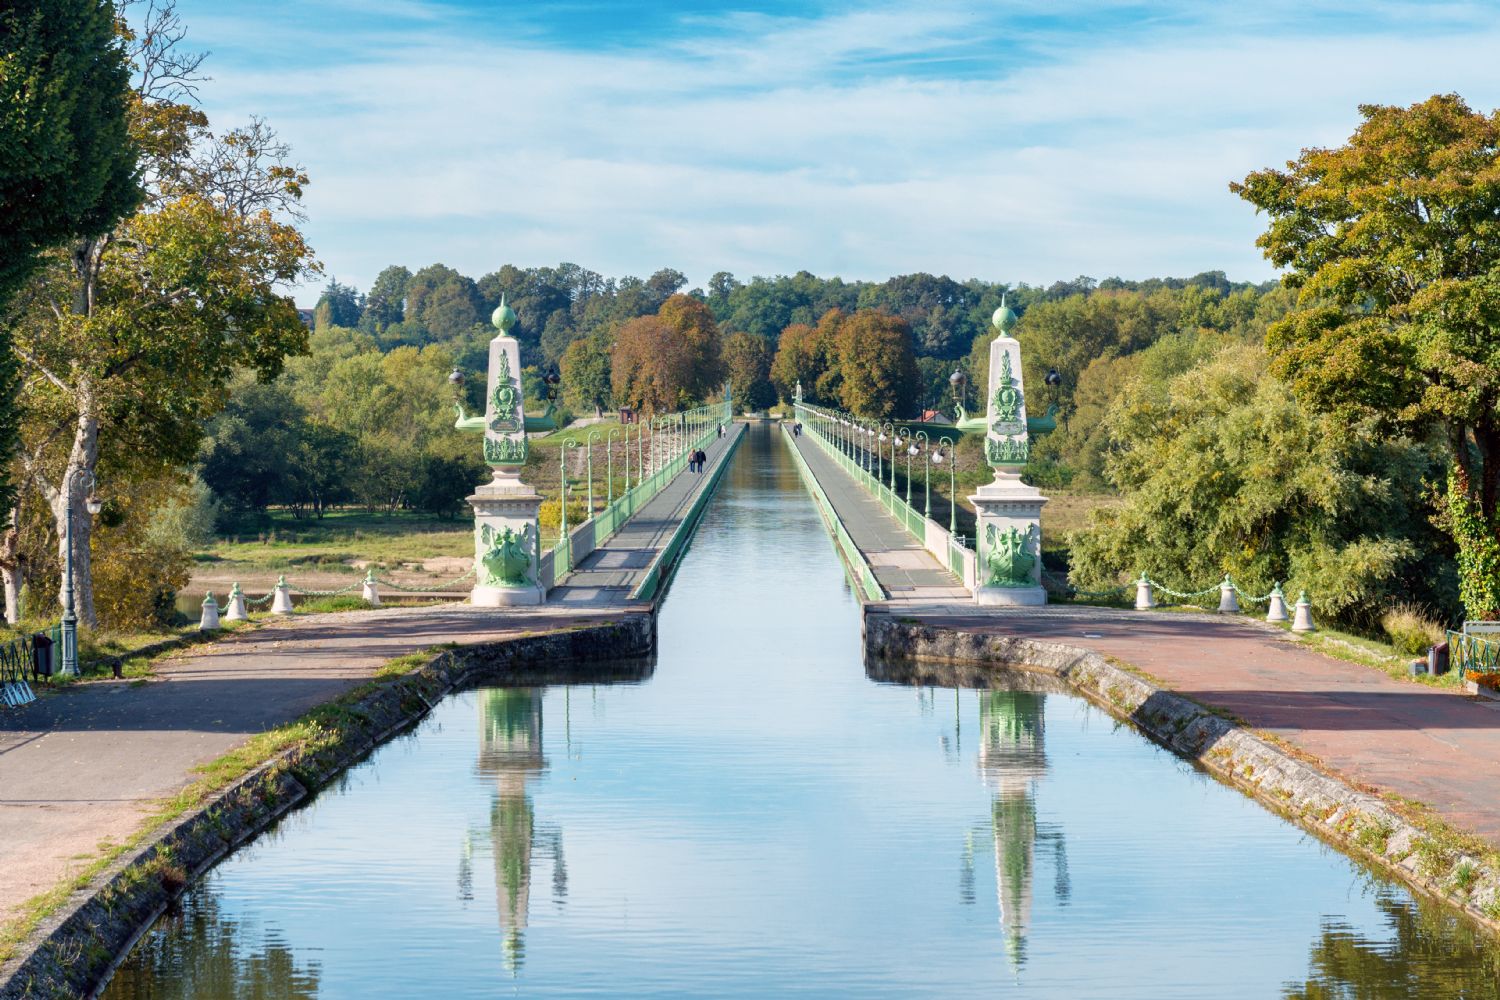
[758,818]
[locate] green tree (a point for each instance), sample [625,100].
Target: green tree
[67,170]
[585,375]
[1224,471]
[747,365]
[1392,242]
[131,337]
[386,304]
[339,305]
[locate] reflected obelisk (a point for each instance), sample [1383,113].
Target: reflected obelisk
[1012,757]
[510,752]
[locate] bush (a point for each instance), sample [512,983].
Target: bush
[549,515]
[1411,631]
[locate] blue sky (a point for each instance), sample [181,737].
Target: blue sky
[1019,141]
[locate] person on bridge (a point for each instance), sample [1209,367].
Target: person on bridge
[721,430]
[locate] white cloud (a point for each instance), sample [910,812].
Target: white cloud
[764,147]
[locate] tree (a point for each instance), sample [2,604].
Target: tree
[340,305]
[1224,471]
[443,301]
[650,366]
[386,303]
[691,321]
[130,337]
[878,374]
[747,365]
[797,362]
[585,375]
[1392,242]
[67,170]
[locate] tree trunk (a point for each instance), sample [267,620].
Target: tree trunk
[69,497]
[10,565]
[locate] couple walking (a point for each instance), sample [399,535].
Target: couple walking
[696,460]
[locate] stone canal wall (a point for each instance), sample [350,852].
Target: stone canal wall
[73,952]
[1357,823]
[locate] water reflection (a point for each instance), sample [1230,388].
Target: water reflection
[1012,761]
[510,755]
[1430,953]
[198,951]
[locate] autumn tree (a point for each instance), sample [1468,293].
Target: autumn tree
[649,367]
[1392,243]
[691,322]
[878,374]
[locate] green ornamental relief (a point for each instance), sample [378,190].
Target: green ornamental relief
[1007,400]
[506,561]
[504,401]
[1006,558]
[505,451]
[1007,451]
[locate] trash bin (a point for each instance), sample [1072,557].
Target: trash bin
[41,655]
[1437,659]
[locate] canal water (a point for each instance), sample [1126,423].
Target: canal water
[758,818]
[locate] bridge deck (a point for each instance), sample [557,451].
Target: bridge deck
[607,576]
[905,570]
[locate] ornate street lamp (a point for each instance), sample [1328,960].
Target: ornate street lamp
[609,455]
[910,451]
[93,505]
[562,516]
[956,382]
[589,461]
[947,454]
[927,473]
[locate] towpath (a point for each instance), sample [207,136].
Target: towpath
[1433,745]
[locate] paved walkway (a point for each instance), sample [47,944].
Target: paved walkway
[607,576]
[87,764]
[1432,745]
[906,571]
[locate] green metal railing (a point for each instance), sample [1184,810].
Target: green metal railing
[673,438]
[1473,654]
[854,446]
[861,576]
[21,666]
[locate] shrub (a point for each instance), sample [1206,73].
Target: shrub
[549,515]
[1410,631]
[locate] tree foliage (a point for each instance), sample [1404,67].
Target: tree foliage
[1225,472]
[1392,243]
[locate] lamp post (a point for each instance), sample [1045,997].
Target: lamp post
[911,450]
[562,503]
[952,460]
[956,382]
[589,462]
[609,462]
[899,437]
[69,598]
[926,472]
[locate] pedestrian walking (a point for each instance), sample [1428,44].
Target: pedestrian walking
[721,430]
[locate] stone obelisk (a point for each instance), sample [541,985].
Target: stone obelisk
[1008,512]
[506,535]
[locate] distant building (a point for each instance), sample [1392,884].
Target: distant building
[307,317]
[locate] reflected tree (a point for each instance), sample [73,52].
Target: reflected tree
[1430,953]
[201,953]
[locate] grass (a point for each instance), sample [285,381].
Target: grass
[318,729]
[340,538]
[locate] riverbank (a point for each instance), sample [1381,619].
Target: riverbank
[220,744]
[1251,712]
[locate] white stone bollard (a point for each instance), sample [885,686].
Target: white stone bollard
[1228,603]
[236,611]
[281,604]
[1277,611]
[209,621]
[1144,598]
[1302,615]
[370,592]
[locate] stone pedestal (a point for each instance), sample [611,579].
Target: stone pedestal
[506,543]
[1009,516]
